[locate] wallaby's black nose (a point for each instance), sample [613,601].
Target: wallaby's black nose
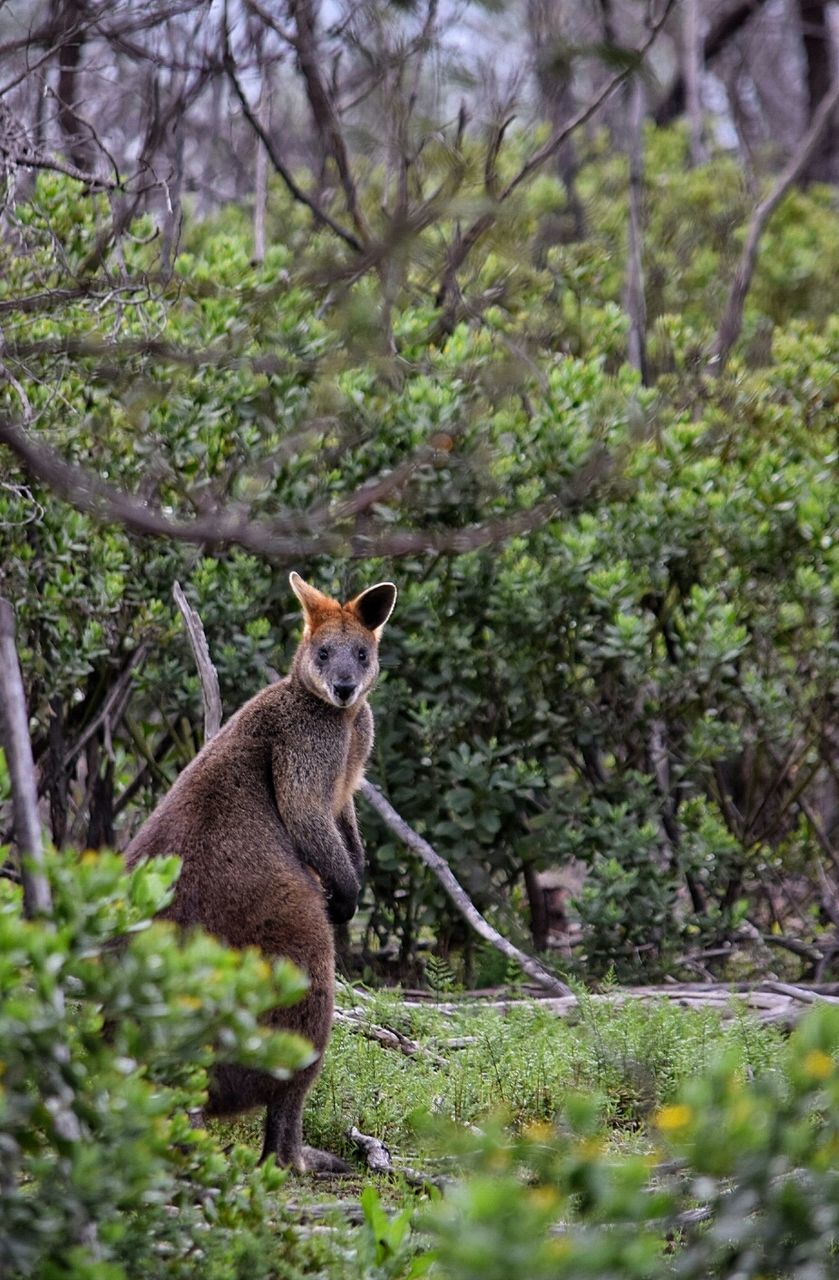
[343,691]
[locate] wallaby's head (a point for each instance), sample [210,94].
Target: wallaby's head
[338,657]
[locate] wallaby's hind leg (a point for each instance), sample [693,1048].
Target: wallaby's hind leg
[284,1135]
[284,1130]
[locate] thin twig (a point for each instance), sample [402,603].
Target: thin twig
[732,320]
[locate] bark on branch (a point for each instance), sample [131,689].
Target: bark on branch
[298,533]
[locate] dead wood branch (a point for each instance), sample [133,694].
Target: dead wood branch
[387,1037]
[375,1152]
[378,1160]
[732,320]
[769,1002]
[206,670]
[37,899]
[457,893]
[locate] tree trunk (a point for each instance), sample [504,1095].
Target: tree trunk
[815,36]
[538,907]
[635,298]
[721,32]
[692,52]
[69,17]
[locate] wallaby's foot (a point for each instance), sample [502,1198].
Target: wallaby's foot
[317,1161]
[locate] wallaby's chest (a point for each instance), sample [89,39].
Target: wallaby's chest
[348,777]
[350,772]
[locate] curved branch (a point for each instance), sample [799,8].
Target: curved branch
[295,534]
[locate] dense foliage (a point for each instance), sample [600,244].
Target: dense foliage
[645,682]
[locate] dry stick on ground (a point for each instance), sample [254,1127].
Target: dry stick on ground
[388,1038]
[732,321]
[457,893]
[206,671]
[378,1161]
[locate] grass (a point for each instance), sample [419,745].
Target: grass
[521,1064]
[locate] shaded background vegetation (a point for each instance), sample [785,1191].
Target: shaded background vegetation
[359,291]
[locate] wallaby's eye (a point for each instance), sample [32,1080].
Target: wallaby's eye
[323,653]
[362,656]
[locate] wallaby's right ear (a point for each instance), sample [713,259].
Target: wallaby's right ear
[316,606]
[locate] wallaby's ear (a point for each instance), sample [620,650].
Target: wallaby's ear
[316,606]
[374,606]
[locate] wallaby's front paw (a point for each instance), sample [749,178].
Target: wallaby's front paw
[341,904]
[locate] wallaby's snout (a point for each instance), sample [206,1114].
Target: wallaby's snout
[344,689]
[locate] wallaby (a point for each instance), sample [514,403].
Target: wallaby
[264,822]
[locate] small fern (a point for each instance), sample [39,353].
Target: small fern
[440,975]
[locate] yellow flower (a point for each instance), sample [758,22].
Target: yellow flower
[676,1117]
[189,1002]
[539,1131]
[818,1064]
[542,1197]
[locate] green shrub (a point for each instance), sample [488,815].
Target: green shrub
[104,1047]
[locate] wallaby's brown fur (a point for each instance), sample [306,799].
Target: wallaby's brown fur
[267,803]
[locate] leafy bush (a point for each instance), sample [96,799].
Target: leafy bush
[108,1025]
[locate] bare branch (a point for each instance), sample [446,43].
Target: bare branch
[441,869]
[321,216]
[309,61]
[732,320]
[464,243]
[15,724]
[206,670]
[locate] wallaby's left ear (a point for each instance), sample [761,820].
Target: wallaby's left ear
[374,606]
